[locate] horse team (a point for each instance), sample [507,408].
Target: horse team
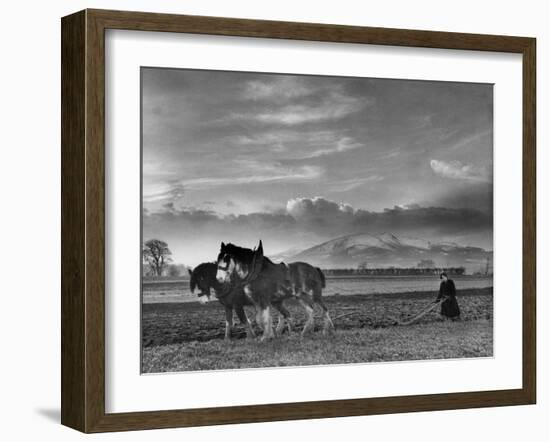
[242,276]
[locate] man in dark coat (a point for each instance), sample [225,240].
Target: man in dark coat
[447,292]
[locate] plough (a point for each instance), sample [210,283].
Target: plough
[430,307]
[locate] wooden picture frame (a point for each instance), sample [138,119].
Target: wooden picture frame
[83,220]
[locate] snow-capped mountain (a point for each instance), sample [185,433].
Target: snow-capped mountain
[388,250]
[286,255]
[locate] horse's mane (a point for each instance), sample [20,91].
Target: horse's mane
[241,254]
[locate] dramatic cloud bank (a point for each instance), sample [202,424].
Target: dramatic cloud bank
[307,209]
[194,235]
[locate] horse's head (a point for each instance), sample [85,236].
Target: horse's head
[234,260]
[225,264]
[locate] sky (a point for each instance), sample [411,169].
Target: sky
[298,160]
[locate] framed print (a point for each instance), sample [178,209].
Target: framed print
[270,220]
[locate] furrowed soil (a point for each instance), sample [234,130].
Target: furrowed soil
[189,336]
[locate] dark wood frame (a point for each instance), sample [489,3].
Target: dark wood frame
[83,220]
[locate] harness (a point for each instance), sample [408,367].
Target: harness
[256,268]
[256,265]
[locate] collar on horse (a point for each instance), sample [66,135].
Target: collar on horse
[255,268]
[254,271]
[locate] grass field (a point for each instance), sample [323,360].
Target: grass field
[189,336]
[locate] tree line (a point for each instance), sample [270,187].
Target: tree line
[395,271]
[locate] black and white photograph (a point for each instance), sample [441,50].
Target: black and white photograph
[250,221]
[304,220]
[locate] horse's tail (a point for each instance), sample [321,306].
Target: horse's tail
[192,282]
[322,276]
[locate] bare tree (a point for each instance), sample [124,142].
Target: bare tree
[157,255]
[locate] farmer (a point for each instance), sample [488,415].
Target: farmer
[447,292]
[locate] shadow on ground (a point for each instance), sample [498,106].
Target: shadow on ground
[51,414]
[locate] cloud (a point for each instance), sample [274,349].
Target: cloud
[470,194]
[460,171]
[353,183]
[308,208]
[434,219]
[336,218]
[251,171]
[473,140]
[172,191]
[324,105]
[328,218]
[342,145]
[295,143]
[299,114]
[152,169]
[244,171]
[196,234]
[279,88]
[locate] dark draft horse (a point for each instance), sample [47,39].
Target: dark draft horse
[306,279]
[231,297]
[265,283]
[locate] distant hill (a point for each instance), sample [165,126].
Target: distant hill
[388,250]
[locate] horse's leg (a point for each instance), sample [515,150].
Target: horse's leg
[245,321]
[228,321]
[261,301]
[288,318]
[259,319]
[266,322]
[307,303]
[284,317]
[328,326]
[257,313]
